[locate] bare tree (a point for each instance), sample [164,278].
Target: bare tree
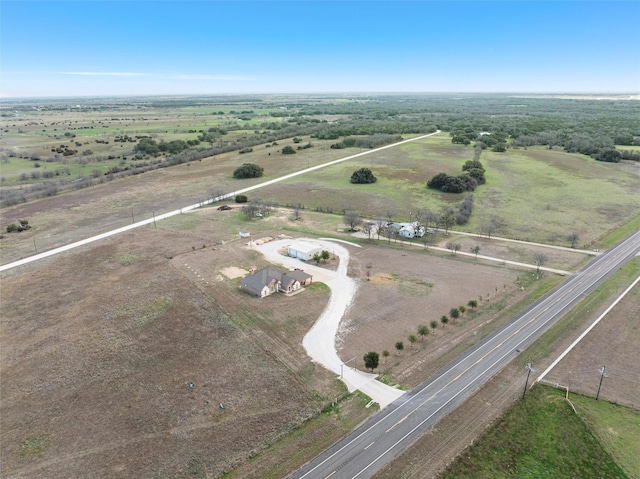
[296,212]
[217,194]
[539,259]
[367,227]
[447,219]
[426,240]
[573,239]
[475,250]
[453,247]
[488,228]
[380,225]
[352,220]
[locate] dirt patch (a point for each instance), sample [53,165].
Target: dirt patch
[402,289]
[612,343]
[233,272]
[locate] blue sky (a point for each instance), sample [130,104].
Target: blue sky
[87,48]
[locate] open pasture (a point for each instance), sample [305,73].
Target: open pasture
[99,385]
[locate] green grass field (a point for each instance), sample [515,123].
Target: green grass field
[540,437]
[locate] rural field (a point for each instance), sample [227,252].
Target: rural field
[116,357]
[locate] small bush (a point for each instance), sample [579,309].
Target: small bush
[241,198]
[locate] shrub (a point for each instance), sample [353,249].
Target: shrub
[241,198]
[288,150]
[363,176]
[248,170]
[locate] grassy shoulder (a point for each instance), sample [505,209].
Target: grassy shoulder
[539,437]
[307,441]
[617,427]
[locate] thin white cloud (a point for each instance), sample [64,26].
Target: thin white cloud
[108,74]
[182,76]
[215,77]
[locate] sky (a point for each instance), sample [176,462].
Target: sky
[107,48]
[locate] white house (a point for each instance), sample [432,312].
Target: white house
[303,251]
[411,230]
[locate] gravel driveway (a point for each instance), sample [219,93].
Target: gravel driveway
[319,342]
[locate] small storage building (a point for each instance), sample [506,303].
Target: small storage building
[303,251]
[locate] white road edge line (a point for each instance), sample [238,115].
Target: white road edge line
[593,325]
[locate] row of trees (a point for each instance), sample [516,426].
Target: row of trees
[372,358]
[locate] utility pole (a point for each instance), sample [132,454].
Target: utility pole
[603,374]
[526,383]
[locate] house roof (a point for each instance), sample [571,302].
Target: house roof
[299,275]
[261,278]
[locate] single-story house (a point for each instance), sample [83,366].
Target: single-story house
[303,251]
[411,230]
[269,280]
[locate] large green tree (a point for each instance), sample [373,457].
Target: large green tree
[371,360]
[248,170]
[363,176]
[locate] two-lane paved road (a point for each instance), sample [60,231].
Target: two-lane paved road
[385,435]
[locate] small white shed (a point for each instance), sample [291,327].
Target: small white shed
[303,251]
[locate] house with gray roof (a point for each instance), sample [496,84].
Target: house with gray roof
[269,280]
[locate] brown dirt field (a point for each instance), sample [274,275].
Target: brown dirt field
[99,346]
[614,343]
[411,287]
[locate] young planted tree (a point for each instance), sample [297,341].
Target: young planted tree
[462,309]
[423,330]
[475,250]
[385,354]
[371,360]
[539,259]
[473,304]
[433,324]
[325,255]
[454,313]
[399,346]
[444,320]
[412,339]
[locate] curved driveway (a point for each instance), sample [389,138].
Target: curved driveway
[319,342]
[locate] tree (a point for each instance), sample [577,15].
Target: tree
[423,330]
[368,228]
[539,259]
[447,220]
[488,228]
[475,250]
[371,360]
[248,170]
[250,209]
[288,150]
[399,346]
[573,239]
[462,309]
[385,354]
[325,255]
[363,176]
[444,320]
[473,304]
[412,339]
[454,313]
[433,324]
[352,220]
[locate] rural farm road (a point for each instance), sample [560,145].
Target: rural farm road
[186,209]
[320,341]
[366,449]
